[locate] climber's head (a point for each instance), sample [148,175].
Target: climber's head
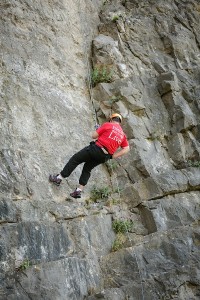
[115,117]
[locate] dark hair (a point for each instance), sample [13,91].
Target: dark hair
[116,119]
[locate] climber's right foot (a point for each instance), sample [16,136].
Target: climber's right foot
[76,194]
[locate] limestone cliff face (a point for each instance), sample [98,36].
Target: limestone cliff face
[51,248]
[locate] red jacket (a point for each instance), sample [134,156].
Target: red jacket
[111,136]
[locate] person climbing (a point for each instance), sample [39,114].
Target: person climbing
[108,138]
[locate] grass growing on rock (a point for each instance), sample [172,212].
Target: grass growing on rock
[24,265]
[111,165]
[195,163]
[100,193]
[119,242]
[115,18]
[101,73]
[122,226]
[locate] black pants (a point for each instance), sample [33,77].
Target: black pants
[91,155]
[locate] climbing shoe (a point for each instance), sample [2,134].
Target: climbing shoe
[54,179]
[76,194]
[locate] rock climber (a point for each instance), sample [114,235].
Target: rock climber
[108,138]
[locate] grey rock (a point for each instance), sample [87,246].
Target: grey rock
[69,278]
[107,53]
[8,212]
[168,183]
[150,266]
[88,240]
[46,114]
[34,241]
[171,211]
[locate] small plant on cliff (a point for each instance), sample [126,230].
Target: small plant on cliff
[101,73]
[24,265]
[105,2]
[100,193]
[122,226]
[195,163]
[115,18]
[119,242]
[111,165]
[112,201]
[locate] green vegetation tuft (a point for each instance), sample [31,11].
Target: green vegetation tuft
[24,265]
[112,201]
[115,18]
[101,73]
[120,226]
[119,242]
[100,193]
[105,2]
[111,165]
[195,163]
